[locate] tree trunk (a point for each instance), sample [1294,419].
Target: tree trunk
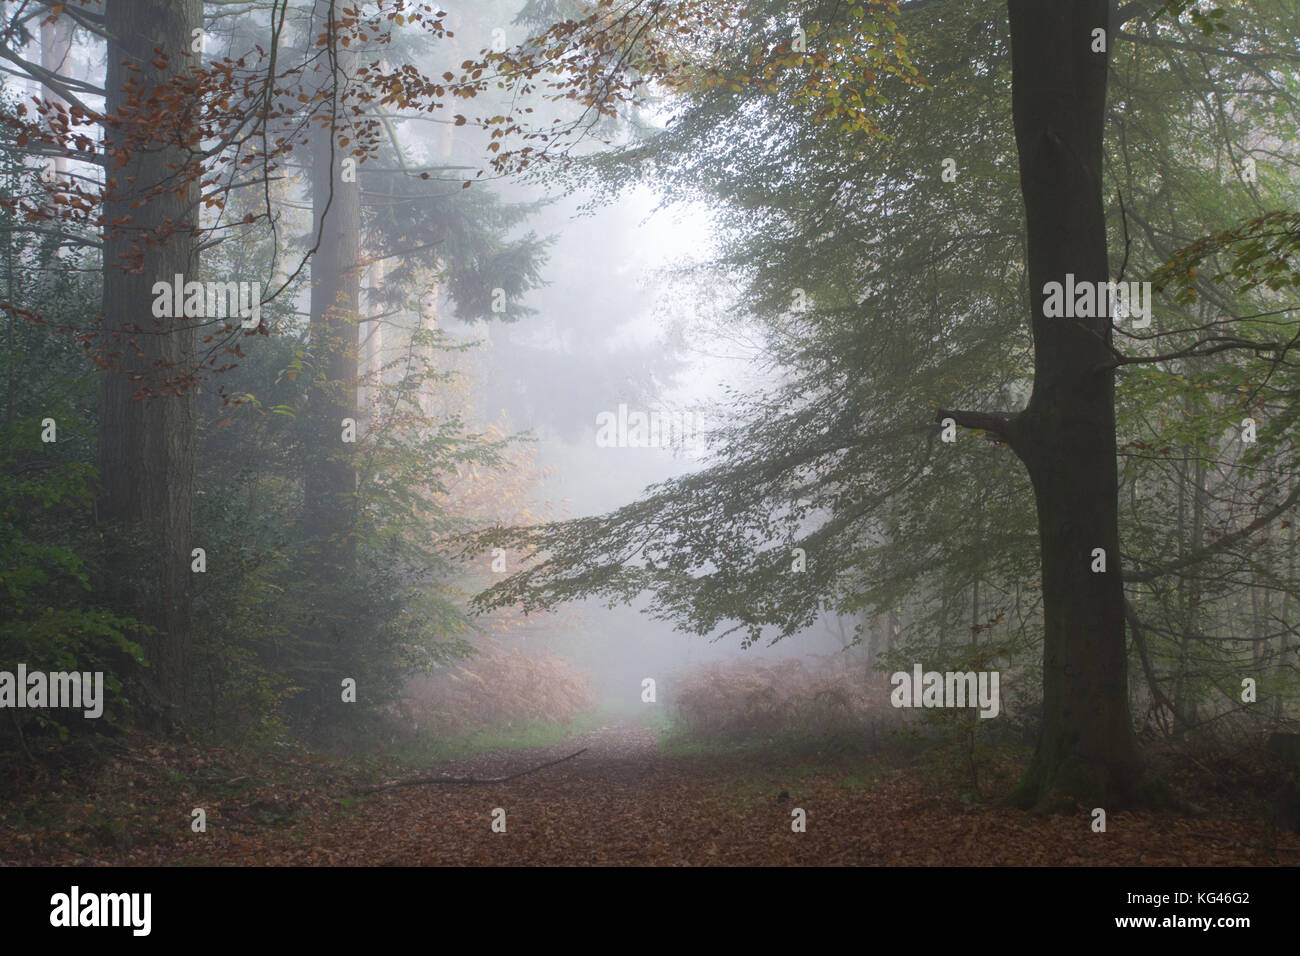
[56,48]
[331,479]
[1189,588]
[56,45]
[147,440]
[1283,665]
[1066,435]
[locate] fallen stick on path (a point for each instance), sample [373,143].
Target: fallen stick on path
[420,781]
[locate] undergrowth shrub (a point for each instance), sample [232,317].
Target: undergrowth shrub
[495,688]
[819,696]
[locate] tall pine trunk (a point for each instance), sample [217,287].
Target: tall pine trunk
[147,440]
[1066,435]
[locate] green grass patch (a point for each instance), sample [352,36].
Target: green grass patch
[771,764]
[864,779]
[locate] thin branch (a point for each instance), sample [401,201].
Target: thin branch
[1222,544]
[421,781]
[59,84]
[1135,625]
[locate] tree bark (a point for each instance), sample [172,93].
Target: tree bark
[146,438]
[1189,589]
[1283,666]
[331,479]
[1066,435]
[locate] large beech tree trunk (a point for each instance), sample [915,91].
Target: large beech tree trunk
[1066,435]
[147,437]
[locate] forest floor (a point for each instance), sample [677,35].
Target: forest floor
[625,800]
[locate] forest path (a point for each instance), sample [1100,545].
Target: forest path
[624,801]
[619,747]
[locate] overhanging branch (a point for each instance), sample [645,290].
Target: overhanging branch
[999,424]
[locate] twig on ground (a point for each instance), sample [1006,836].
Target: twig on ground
[420,781]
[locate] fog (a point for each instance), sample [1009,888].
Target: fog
[648,432]
[621,321]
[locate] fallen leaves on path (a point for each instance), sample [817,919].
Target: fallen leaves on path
[623,802]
